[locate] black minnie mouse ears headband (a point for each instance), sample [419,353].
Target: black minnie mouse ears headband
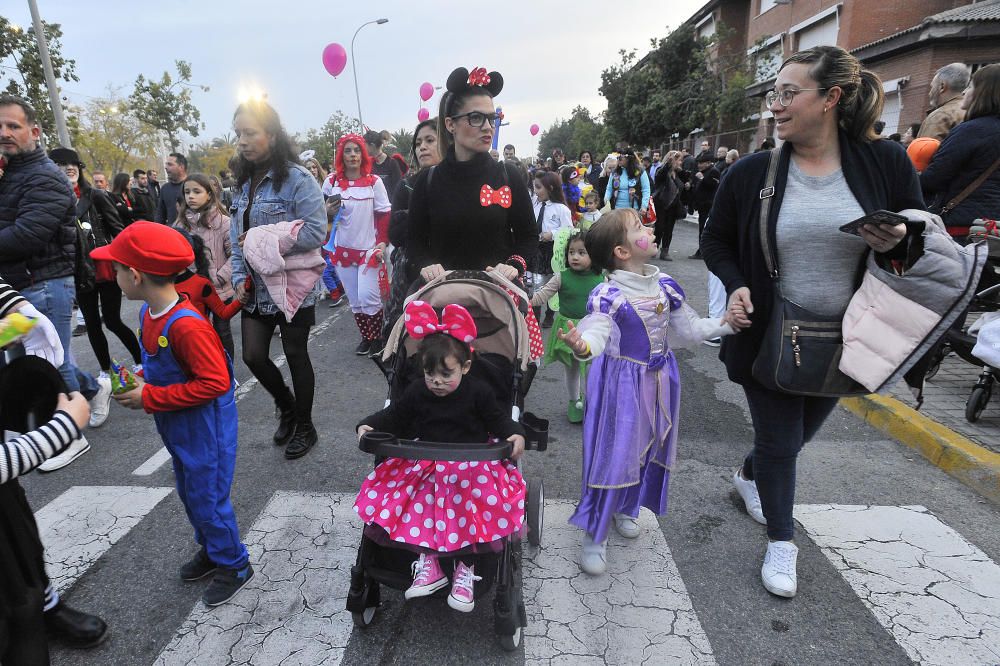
[462,80]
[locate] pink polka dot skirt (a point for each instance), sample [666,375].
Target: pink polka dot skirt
[444,506]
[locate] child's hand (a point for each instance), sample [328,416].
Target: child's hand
[545,236]
[362,429]
[131,399]
[573,338]
[518,441]
[740,308]
[76,406]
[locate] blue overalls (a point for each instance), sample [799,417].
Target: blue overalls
[202,445]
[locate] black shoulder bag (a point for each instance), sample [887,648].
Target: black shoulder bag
[801,350]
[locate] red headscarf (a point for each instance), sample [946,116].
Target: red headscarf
[339,177]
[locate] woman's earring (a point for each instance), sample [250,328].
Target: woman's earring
[825,109]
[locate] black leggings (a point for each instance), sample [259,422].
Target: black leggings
[257,333]
[108,298]
[22,633]
[663,230]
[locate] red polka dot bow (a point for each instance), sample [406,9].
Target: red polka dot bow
[479,77]
[488,196]
[421,321]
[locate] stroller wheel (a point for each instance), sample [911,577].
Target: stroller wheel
[364,618]
[511,643]
[977,403]
[536,512]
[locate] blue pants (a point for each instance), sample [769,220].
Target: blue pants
[54,299]
[330,279]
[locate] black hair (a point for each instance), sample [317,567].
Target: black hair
[374,138]
[120,183]
[138,172]
[511,146]
[435,349]
[183,161]
[552,185]
[282,152]
[198,245]
[581,236]
[430,122]
[580,156]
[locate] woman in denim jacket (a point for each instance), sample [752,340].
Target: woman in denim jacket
[274,188]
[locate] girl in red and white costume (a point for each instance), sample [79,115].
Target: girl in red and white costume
[362,235]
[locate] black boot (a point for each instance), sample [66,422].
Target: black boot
[286,418]
[305,438]
[549,317]
[75,628]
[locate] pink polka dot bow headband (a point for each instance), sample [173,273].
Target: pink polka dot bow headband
[421,321]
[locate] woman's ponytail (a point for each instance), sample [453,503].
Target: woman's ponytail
[858,120]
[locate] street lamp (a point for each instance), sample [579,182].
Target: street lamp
[354,67]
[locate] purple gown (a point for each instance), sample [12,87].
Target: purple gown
[633,398]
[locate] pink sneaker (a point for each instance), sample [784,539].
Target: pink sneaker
[427,577]
[462,597]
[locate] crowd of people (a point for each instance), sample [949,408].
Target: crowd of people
[269,237]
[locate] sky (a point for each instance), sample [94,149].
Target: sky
[550,54]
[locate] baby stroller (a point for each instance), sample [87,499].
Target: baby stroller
[962,340]
[502,362]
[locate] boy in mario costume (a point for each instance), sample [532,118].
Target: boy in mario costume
[188,388]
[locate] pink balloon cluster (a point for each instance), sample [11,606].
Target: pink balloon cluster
[334,58]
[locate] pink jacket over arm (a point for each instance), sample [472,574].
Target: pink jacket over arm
[288,278]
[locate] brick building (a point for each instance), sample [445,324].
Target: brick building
[904,41]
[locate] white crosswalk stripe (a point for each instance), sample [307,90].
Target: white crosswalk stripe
[936,593]
[85,521]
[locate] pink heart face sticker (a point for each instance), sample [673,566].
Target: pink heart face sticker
[642,243]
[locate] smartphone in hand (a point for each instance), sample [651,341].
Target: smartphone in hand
[883,217]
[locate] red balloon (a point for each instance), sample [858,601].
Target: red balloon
[426,91]
[334,58]
[423,114]
[533,129]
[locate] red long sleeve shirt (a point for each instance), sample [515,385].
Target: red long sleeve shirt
[200,291]
[198,351]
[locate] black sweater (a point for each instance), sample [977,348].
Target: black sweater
[468,415]
[449,226]
[880,176]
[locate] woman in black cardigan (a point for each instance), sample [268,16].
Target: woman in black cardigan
[470,212]
[832,169]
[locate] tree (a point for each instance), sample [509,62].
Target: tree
[166,104]
[402,139]
[324,139]
[580,132]
[110,138]
[26,78]
[211,157]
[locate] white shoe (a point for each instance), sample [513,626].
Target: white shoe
[627,526]
[593,559]
[778,571]
[751,498]
[100,404]
[76,449]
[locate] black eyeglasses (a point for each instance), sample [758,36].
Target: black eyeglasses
[477,118]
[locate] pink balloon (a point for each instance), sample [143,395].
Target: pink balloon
[423,114]
[533,129]
[426,91]
[334,58]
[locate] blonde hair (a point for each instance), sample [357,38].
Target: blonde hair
[862,97]
[321,177]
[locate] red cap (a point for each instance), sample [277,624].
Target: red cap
[148,247]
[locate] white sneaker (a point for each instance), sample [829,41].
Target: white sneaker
[778,571]
[76,449]
[593,559]
[627,526]
[100,404]
[751,498]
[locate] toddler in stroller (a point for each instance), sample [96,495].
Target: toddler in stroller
[444,497]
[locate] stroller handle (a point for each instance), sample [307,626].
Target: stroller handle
[388,445]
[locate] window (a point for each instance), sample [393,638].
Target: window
[821,33]
[768,61]
[706,29]
[767,4]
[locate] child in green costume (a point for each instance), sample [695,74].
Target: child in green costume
[568,291]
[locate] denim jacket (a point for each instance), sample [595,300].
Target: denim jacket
[298,199]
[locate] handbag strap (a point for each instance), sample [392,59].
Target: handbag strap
[970,188]
[766,195]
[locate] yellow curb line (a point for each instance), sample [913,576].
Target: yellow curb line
[970,463]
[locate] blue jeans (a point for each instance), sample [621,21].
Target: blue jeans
[782,424]
[54,299]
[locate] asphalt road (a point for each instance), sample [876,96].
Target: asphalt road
[713,545]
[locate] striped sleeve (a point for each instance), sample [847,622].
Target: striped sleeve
[8,298]
[26,452]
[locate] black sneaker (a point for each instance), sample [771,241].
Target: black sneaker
[339,300]
[364,348]
[305,438]
[198,567]
[74,628]
[696,255]
[377,347]
[226,584]
[549,318]
[80,329]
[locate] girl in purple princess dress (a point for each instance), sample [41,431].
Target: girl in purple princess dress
[633,388]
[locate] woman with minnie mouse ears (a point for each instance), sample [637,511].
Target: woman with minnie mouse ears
[362,235]
[469,211]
